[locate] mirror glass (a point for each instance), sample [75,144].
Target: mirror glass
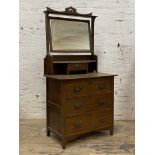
[70,35]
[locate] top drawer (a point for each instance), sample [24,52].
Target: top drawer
[85,86]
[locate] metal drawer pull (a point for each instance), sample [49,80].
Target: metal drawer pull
[76,65]
[77,89]
[102,86]
[78,124]
[77,104]
[101,119]
[101,101]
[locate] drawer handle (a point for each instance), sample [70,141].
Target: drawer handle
[77,105]
[102,86]
[101,101]
[78,124]
[101,119]
[77,89]
[76,65]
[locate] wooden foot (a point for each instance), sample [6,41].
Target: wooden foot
[48,133]
[63,146]
[64,143]
[111,132]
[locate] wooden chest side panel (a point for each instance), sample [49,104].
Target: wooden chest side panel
[55,119]
[53,91]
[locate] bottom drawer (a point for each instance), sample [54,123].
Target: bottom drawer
[88,122]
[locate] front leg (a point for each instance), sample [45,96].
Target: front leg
[64,142]
[48,132]
[111,131]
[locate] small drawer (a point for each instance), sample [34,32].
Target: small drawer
[77,66]
[78,123]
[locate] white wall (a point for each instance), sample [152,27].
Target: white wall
[114,24]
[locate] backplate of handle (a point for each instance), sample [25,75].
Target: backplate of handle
[76,65]
[101,101]
[78,124]
[77,104]
[77,89]
[102,86]
[101,119]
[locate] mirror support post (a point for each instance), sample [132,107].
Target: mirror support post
[92,33]
[47,33]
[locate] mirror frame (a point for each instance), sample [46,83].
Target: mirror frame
[76,20]
[70,11]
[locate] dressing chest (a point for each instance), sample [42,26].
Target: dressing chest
[78,98]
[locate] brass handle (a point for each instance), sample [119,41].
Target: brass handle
[101,101]
[77,89]
[78,124]
[77,104]
[101,119]
[102,86]
[76,65]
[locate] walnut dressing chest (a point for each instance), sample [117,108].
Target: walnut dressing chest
[78,98]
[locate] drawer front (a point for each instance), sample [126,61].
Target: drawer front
[89,103]
[77,66]
[88,122]
[83,87]
[102,119]
[77,123]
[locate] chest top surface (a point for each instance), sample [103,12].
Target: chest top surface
[80,76]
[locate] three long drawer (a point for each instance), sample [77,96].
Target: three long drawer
[88,121]
[83,87]
[83,104]
[88,105]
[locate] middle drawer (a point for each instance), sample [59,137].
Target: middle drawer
[83,104]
